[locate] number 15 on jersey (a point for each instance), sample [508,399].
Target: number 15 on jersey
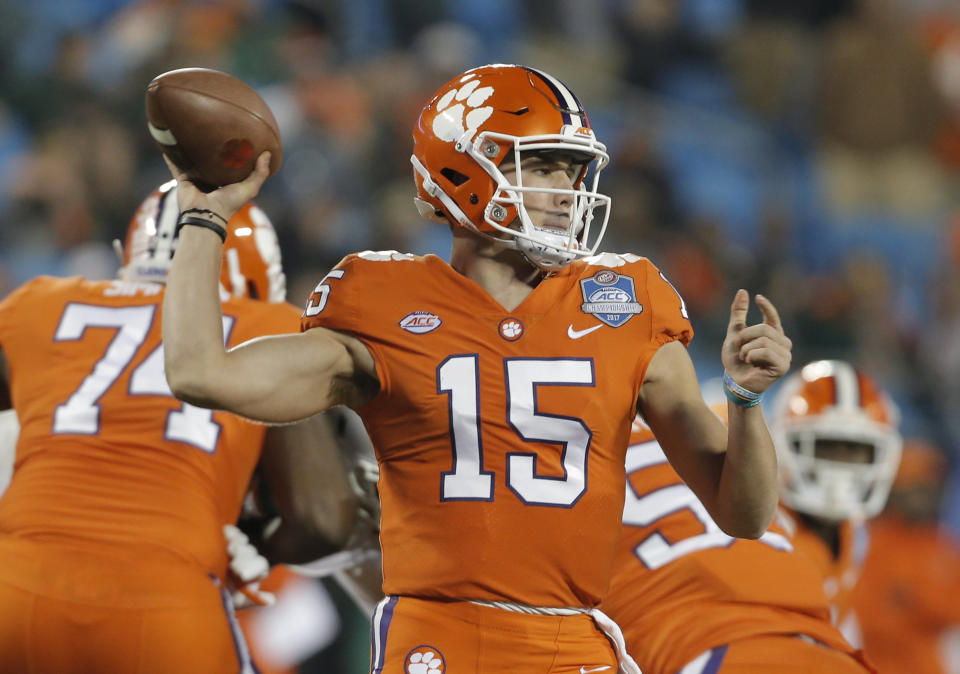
[458,379]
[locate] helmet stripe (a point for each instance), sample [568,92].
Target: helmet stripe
[167,215]
[847,386]
[157,219]
[571,109]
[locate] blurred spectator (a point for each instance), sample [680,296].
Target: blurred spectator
[657,43]
[878,112]
[940,32]
[938,345]
[907,595]
[769,62]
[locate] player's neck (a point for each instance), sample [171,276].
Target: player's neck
[504,273]
[827,530]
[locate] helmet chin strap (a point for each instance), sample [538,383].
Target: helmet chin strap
[549,254]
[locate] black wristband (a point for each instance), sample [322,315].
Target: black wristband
[203,211]
[201,222]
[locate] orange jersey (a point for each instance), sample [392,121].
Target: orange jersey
[500,434]
[107,458]
[840,573]
[906,598]
[681,586]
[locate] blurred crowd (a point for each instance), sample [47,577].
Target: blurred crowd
[809,151]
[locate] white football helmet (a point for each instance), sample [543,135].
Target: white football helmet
[829,400]
[251,254]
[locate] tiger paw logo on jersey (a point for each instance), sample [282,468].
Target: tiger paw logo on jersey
[466,101]
[424,660]
[610,297]
[510,329]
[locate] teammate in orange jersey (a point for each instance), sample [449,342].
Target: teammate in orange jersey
[693,600]
[499,390]
[906,598]
[111,529]
[838,446]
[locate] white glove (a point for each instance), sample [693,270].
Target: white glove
[246,569]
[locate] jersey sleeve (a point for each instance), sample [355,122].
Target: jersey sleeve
[347,300]
[669,319]
[333,303]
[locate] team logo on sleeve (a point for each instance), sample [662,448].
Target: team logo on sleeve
[424,660]
[420,322]
[611,297]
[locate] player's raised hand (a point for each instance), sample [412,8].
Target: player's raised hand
[757,355]
[226,200]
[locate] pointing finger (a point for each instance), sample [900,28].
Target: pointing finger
[770,315]
[738,311]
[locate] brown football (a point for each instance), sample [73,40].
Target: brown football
[211,125]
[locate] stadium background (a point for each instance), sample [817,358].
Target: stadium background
[809,151]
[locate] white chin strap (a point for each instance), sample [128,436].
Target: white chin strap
[547,253]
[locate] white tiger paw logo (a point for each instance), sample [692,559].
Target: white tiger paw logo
[511,329]
[424,660]
[449,124]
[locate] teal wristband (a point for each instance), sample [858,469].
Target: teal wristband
[738,395]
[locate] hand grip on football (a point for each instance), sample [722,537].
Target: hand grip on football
[211,125]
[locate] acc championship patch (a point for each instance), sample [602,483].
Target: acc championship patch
[611,297]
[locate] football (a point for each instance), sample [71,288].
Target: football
[211,125]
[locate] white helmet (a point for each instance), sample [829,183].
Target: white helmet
[828,400]
[251,254]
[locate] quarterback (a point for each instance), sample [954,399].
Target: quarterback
[498,389]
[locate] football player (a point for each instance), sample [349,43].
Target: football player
[498,390]
[838,445]
[692,599]
[111,536]
[906,598]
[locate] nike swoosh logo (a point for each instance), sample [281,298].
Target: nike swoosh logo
[577,334]
[584,670]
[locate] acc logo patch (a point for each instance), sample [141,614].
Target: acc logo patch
[420,322]
[610,297]
[510,329]
[424,660]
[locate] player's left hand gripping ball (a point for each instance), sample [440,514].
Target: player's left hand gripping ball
[756,355]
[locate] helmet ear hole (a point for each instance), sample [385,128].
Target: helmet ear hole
[454,176]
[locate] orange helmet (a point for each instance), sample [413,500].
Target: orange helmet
[492,113]
[251,254]
[829,400]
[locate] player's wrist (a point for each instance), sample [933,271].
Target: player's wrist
[738,395]
[205,218]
